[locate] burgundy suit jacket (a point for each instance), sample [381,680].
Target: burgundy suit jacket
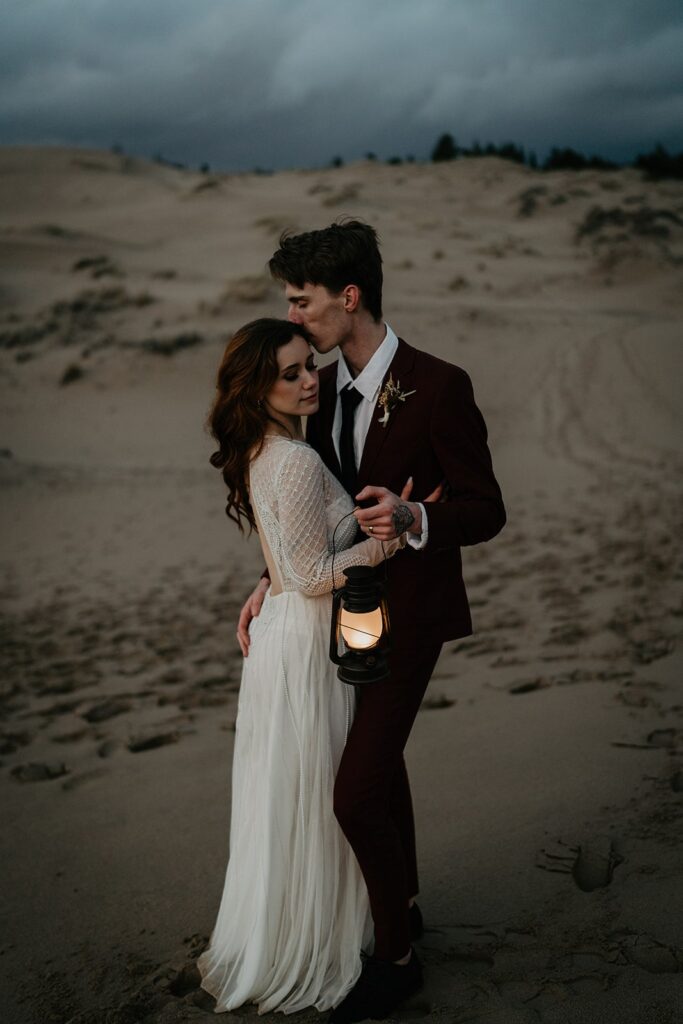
[437,434]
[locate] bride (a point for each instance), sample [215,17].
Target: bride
[294,912]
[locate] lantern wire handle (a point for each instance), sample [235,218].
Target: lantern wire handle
[334,550]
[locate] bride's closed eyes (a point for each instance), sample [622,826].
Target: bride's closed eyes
[311,365]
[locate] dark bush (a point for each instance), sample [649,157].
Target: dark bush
[659,163]
[30,334]
[568,159]
[644,222]
[165,346]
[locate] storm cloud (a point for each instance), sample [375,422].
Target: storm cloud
[284,83]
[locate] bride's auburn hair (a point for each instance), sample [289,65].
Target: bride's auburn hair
[238,416]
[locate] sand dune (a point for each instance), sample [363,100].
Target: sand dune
[550,833]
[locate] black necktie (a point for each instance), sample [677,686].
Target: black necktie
[349,471]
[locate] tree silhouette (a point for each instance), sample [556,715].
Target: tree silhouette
[445,149]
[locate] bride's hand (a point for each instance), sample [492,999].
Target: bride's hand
[436,494]
[407,489]
[383,549]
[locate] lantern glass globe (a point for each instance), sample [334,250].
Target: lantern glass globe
[361,630]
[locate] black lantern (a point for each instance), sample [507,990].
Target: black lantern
[359,643]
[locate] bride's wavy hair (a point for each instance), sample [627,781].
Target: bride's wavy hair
[238,416]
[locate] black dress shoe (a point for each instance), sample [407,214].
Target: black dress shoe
[416,922]
[381,987]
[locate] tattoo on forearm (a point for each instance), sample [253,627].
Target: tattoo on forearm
[402,518]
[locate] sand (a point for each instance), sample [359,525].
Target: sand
[547,760]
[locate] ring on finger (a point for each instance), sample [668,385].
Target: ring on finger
[371,529]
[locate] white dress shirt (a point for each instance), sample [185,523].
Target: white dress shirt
[368,383]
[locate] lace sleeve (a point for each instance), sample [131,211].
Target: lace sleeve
[303,526]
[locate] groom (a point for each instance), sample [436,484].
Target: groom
[389,412]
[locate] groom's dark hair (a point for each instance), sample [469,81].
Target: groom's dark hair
[347,252]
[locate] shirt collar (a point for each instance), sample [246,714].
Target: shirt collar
[369,380]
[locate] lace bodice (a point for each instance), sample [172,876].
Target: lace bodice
[299,504]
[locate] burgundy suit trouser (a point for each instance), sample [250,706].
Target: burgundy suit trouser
[372,800]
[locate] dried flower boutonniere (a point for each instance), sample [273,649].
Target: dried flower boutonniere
[390,397]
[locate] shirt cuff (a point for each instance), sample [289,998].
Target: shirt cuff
[419,542]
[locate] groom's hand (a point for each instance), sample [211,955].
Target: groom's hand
[391,516]
[250,609]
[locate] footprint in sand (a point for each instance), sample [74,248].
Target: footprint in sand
[627,946]
[528,686]
[35,771]
[557,857]
[590,863]
[106,709]
[653,956]
[74,781]
[436,703]
[11,741]
[152,742]
[595,863]
[186,979]
[73,736]
[107,748]
[665,738]
[658,739]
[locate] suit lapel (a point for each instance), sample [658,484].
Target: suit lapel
[400,369]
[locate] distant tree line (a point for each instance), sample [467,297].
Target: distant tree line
[656,164]
[659,163]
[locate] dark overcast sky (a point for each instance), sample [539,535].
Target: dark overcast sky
[285,83]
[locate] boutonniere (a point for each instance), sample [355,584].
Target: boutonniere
[390,397]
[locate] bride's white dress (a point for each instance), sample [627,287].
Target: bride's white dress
[294,912]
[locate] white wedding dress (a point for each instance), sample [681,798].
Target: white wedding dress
[294,912]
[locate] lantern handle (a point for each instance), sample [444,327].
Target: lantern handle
[336,602]
[334,550]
